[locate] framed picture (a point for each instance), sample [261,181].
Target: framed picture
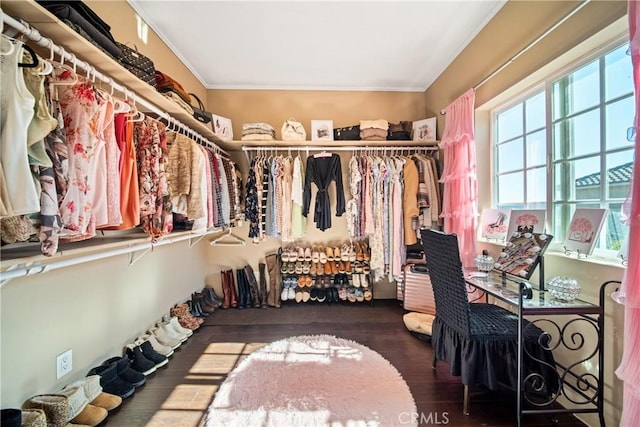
[222,127]
[584,230]
[526,221]
[495,223]
[521,254]
[322,130]
[425,130]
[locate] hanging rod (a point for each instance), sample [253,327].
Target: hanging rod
[345,148]
[528,46]
[34,35]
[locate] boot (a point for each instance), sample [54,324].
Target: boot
[241,290]
[232,287]
[263,285]
[210,297]
[246,289]
[55,407]
[274,280]
[226,292]
[253,286]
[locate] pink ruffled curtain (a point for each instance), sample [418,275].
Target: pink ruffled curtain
[629,294]
[460,195]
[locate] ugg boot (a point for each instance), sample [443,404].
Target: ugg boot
[94,393]
[33,418]
[274,280]
[263,285]
[80,410]
[253,285]
[55,407]
[10,417]
[232,288]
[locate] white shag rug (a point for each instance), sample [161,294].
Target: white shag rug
[313,380]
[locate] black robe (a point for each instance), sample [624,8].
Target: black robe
[321,171]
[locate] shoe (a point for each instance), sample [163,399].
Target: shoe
[368,296]
[340,267]
[359,295]
[55,407]
[364,281]
[347,267]
[327,268]
[138,360]
[329,252]
[173,323]
[352,253]
[356,280]
[301,254]
[110,381]
[95,395]
[10,417]
[80,410]
[342,293]
[351,295]
[298,297]
[306,295]
[314,269]
[291,294]
[322,255]
[359,253]
[154,356]
[306,267]
[322,295]
[165,339]
[313,295]
[107,401]
[125,371]
[334,267]
[315,254]
[162,349]
[337,255]
[284,295]
[365,251]
[170,331]
[298,269]
[307,254]
[30,418]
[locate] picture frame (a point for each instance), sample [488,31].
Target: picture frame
[584,230]
[521,254]
[425,130]
[322,130]
[526,220]
[222,127]
[495,223]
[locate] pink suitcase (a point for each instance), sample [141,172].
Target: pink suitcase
[417,293]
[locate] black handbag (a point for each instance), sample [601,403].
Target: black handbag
[349,133]
[138,64]
[199,113]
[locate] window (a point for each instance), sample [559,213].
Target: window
[579,127]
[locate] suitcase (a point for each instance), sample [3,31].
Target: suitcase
[417,292]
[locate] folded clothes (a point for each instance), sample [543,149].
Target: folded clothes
[257,137]
[264,126]
[373,133]
[68,14]
[377,124]
[166,83]
[173,96]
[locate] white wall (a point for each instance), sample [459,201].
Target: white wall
[94,309]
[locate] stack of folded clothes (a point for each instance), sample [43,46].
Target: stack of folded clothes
[85,22]
[258,132]
[374,130]
[173,90]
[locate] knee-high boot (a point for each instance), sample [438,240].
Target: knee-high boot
[232,288]
[242,293]
[253,286]
[263,285]
[226,292]
[274,280]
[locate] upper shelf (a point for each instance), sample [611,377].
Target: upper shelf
[238,144]
[62,35]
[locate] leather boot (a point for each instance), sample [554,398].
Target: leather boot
[241,290]
[274,280]
[248,298]
[253,286]
[232,288]
[226,292]
[263,285]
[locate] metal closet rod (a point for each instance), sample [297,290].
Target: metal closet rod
[35,36]
[343,148]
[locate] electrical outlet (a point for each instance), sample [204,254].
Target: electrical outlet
[64,363]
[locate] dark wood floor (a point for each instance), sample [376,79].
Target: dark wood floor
[179,393]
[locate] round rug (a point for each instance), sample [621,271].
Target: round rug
[313,380]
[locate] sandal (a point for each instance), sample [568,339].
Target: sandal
[351,295]
[337,256]
[365,251]
[329,252]
[368,296]
[345,252]
[359,253]
[307,254]
[315,254]
[322,255]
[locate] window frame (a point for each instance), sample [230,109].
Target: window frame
[545,83]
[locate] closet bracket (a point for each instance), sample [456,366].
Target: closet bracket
[194,241]
[28,269]
[135,256]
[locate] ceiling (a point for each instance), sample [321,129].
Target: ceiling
[321,45]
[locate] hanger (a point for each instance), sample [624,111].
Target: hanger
[34,58]
[323,154]
[235,240]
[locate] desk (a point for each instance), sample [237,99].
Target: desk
[584,390]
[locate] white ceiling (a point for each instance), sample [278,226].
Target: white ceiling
[324,45]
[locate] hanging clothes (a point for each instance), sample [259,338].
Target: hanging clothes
[298,221]
[252,212]
[321,171]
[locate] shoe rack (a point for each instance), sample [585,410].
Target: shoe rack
[326,273]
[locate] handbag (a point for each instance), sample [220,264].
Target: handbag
[349,133]
[139,65]
[292,130]
[400,131]
[199,113]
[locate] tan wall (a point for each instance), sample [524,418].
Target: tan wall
[517,24]
[122,19]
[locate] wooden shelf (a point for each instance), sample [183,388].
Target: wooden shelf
[62,35]
[237,145]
